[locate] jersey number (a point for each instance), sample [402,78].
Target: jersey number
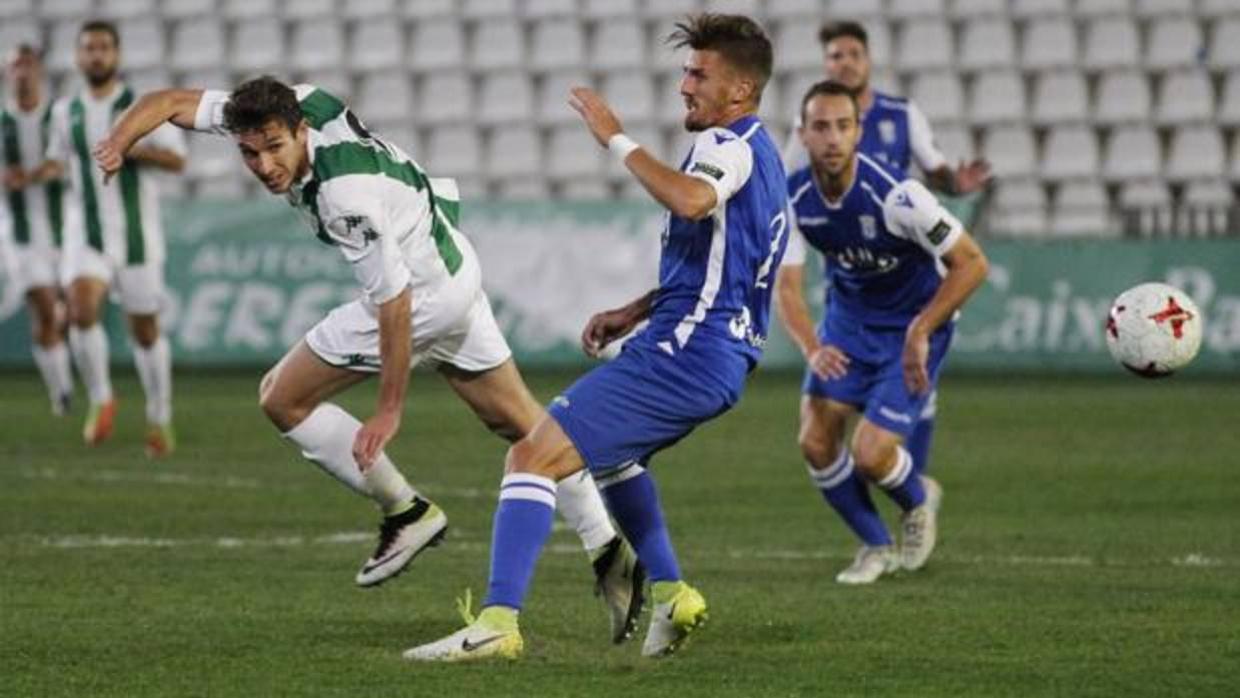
[779,225]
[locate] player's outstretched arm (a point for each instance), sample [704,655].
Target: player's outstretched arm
[178,106]
[685,196]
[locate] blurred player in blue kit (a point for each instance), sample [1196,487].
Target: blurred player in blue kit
[898,266]
[896,134]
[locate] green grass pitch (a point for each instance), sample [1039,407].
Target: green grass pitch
[1090,546]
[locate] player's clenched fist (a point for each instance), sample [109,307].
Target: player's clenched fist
[594,110]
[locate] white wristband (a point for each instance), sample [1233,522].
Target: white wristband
[620,146]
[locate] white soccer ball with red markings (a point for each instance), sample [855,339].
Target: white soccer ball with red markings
[1153,330]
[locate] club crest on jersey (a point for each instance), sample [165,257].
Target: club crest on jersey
[887,131]
[869,229]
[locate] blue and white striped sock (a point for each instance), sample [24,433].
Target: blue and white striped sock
[903,484]
[849,495]
[522,525]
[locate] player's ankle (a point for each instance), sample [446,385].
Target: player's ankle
[499,618]
[664,592]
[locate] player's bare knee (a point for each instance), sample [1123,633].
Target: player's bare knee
[144,329]
[818,449]
[525,457]
[872,456]
[283,412]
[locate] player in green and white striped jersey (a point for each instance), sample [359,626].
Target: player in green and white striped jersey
[31,218]
[422,299]
[119,242]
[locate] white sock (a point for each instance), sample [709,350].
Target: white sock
[326,438]
[582,507]
[54,367]
[90,355]
[154,364]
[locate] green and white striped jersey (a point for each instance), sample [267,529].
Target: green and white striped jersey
[393,223]
[120,219]
[32,216]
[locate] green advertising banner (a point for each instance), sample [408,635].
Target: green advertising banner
[247,279]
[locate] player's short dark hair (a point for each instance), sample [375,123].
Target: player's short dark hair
[258,101]
[101,25]
[830,88]
[739,39]
[830,31]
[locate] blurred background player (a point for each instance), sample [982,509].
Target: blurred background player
[889,320]
[725,233]
[895,133]
[422,299]
[31,219]
[118,242]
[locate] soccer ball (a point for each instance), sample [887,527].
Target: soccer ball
[1153,329]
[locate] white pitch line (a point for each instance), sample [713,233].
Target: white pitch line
[460,540]
[129,477]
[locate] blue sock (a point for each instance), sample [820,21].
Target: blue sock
[902,484]
[633,501]
[849,495]
[522,525]
[918,444]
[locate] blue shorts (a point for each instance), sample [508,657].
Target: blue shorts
[645,400]
[874,383]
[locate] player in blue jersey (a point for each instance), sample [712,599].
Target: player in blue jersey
[896,134]
[707,324]
[898,266]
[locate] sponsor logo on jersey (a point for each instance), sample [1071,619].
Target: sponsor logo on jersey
[939,232]
[707,169]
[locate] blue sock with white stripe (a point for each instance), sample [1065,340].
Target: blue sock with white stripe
[849,495]
[634,502]
[902,484]
[522,525]
[918,444]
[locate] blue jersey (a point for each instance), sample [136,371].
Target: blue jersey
[881,241]
[716,274]
[894,133]
[885,132]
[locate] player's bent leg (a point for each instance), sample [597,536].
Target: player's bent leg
[522,525]
[834,473]
[881,455]
[502,401]
[152,358]
[48,346]
[89,346]
[293,395]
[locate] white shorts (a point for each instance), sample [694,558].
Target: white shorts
[139,288]
[32,267]
[455,326]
